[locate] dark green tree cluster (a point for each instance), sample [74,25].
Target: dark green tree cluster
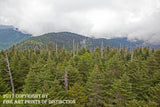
[94,78]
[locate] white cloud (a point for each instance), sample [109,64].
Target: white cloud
[101,18]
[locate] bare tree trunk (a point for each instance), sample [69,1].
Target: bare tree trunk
[29,54]
[85,44]
[66,79]
[102,49]
[34,51]
[9,71]
[56,51]
[132,52]
[77,48]
[73,49]
[48,49]
[131,56]
[142,46]
[126,51]
[91,52]
[120,47]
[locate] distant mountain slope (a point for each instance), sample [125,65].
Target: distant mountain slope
[10,36]
[65,39]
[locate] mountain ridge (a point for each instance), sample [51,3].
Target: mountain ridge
[10,36]
[66,39]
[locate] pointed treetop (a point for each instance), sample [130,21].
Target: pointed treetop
[96,68]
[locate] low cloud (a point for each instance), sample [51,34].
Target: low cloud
[138,19]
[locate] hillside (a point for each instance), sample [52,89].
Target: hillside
[65,39]
[10,36]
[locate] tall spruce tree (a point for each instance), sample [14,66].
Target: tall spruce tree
[95,88]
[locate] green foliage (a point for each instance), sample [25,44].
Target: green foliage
[135,103]
[95,88]
[122,90]
[56,91]
[111,80]
[3,86]
[31,83]
[77,93]
[155,93]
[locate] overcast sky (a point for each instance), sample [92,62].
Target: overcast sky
[135,19]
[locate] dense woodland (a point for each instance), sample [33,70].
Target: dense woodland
[103,77]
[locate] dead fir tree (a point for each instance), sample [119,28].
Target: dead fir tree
[56,50]
[73,48]
[65,79]
[102,48]
[10,74]
[77,48]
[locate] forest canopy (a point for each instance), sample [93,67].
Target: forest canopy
[102,77]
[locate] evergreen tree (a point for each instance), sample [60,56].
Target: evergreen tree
[4,87]
[57,92]
[136,103]
[155,94]
[94,78]
[84,66]
[138,73]
[122,91]
[73,75]
[31,83]
[77,93]
[95,88]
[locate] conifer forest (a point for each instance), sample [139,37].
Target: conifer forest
[103,77]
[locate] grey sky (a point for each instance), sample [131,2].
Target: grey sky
[135,19]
